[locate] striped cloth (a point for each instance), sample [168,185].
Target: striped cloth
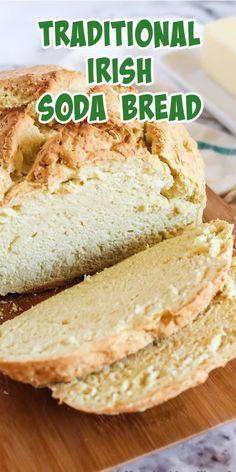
[219,152]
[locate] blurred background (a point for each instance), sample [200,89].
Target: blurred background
[20,39]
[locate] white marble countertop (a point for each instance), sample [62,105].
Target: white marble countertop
[214,451]
[20,45]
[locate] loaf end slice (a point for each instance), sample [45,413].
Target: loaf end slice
[161,371]
[119,310]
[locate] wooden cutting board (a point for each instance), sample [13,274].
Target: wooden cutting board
[37,435]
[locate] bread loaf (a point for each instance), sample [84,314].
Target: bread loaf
[120,310]
[79,197]
[163,370]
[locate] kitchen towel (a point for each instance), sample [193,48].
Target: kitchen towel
[219,152]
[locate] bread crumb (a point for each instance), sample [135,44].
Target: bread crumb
[229,290]
[72,340]
[87,277]
[14,308]
[138,310]
[173,290]
[215,343]
[215,246]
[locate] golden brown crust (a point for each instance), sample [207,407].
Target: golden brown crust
[74,145]
[173,144]
[13,123]
[19,138]
[21,86]
[19,90]
[194,376]
[90,359]
[57,285]
[80,144]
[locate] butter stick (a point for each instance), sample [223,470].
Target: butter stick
[219,52]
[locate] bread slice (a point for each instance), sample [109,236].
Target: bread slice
[163,370]
[120,310]
[79,197]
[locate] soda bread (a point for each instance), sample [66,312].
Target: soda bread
[120,310]
[163,370]
[77,198]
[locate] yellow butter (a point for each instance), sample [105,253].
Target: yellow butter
[219,52]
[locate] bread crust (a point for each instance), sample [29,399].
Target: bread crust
[21,86]
[191,377]
[75,145]
[165,394]
[92,358]
[11,122]
[17,130]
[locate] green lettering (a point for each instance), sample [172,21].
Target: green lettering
[61,27]
[126,71]
[98,110]
[63,107]
[145,103]
[90,70]
[140,27]
[176,108]
[128,106]
[94,32]
[130,29]
[144,70]
[118,26]
[107,39]
[178,35]
[44,108]
[115,78]
[45,27]
[81,106]
[77,34]
[193,40]
[160,106]
[194,106]
[161,33]
[102,64]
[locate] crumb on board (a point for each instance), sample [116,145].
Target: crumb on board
[14,308]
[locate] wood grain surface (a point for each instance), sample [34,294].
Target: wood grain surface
[38,435]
